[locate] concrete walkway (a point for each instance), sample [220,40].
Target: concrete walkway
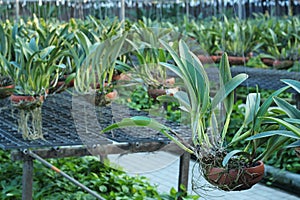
[162,169]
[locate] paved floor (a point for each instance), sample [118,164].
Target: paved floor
[162,169]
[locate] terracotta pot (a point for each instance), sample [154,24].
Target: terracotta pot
[170,82]
[112,95]
[122,77]
[278,64]
[6,91]
[206,59]
[235,179]
[283,64]
[26,102]
[99,99]
[233,60]
[19,98]
[154,93]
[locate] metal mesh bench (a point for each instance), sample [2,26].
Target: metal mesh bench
[67,132]
[268,79]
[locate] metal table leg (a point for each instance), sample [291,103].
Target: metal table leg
[184,170]
[27,178]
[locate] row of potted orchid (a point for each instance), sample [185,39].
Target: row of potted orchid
[265,39]
[40,58]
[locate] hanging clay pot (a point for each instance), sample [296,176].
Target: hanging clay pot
[235,179]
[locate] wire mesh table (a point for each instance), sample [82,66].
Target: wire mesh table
[265,78]
[66,132]
[268,79]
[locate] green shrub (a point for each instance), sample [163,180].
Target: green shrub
[112,184]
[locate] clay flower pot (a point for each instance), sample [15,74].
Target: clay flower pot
[30,115]
[154,93]
[6,91]
[168,89]
[19,98]
[207,59]
[26,102]
[112,95]
[278,64]
[62,85]
[233,60]
[235,179]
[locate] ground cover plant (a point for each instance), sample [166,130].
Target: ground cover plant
[110,183]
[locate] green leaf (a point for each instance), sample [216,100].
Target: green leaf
[84,41]
[284,133]
[252,106]
[135,122]
[225,76]
[46,51]
[294,144]
[265,106]
[33,45]
[3,42]
[290,110]
[289,126]
[227,89]
[183,100]
[294,121]
[293,83]
[230,155]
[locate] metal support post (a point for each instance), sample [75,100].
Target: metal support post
[122,11]
[27,178]
[184,170]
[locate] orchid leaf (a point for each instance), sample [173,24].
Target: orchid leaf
[294,144]
[290,110]
[227,89]
[289,126]
[265,106]
[284,133]
[293,83]
[230,155]
[294,121]
[183,100]
[252,106]
[137,121]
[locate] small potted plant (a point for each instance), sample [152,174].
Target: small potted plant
[281,45]
[94,75]
[144,58]
[227,170]
[6,82]
[33,70]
